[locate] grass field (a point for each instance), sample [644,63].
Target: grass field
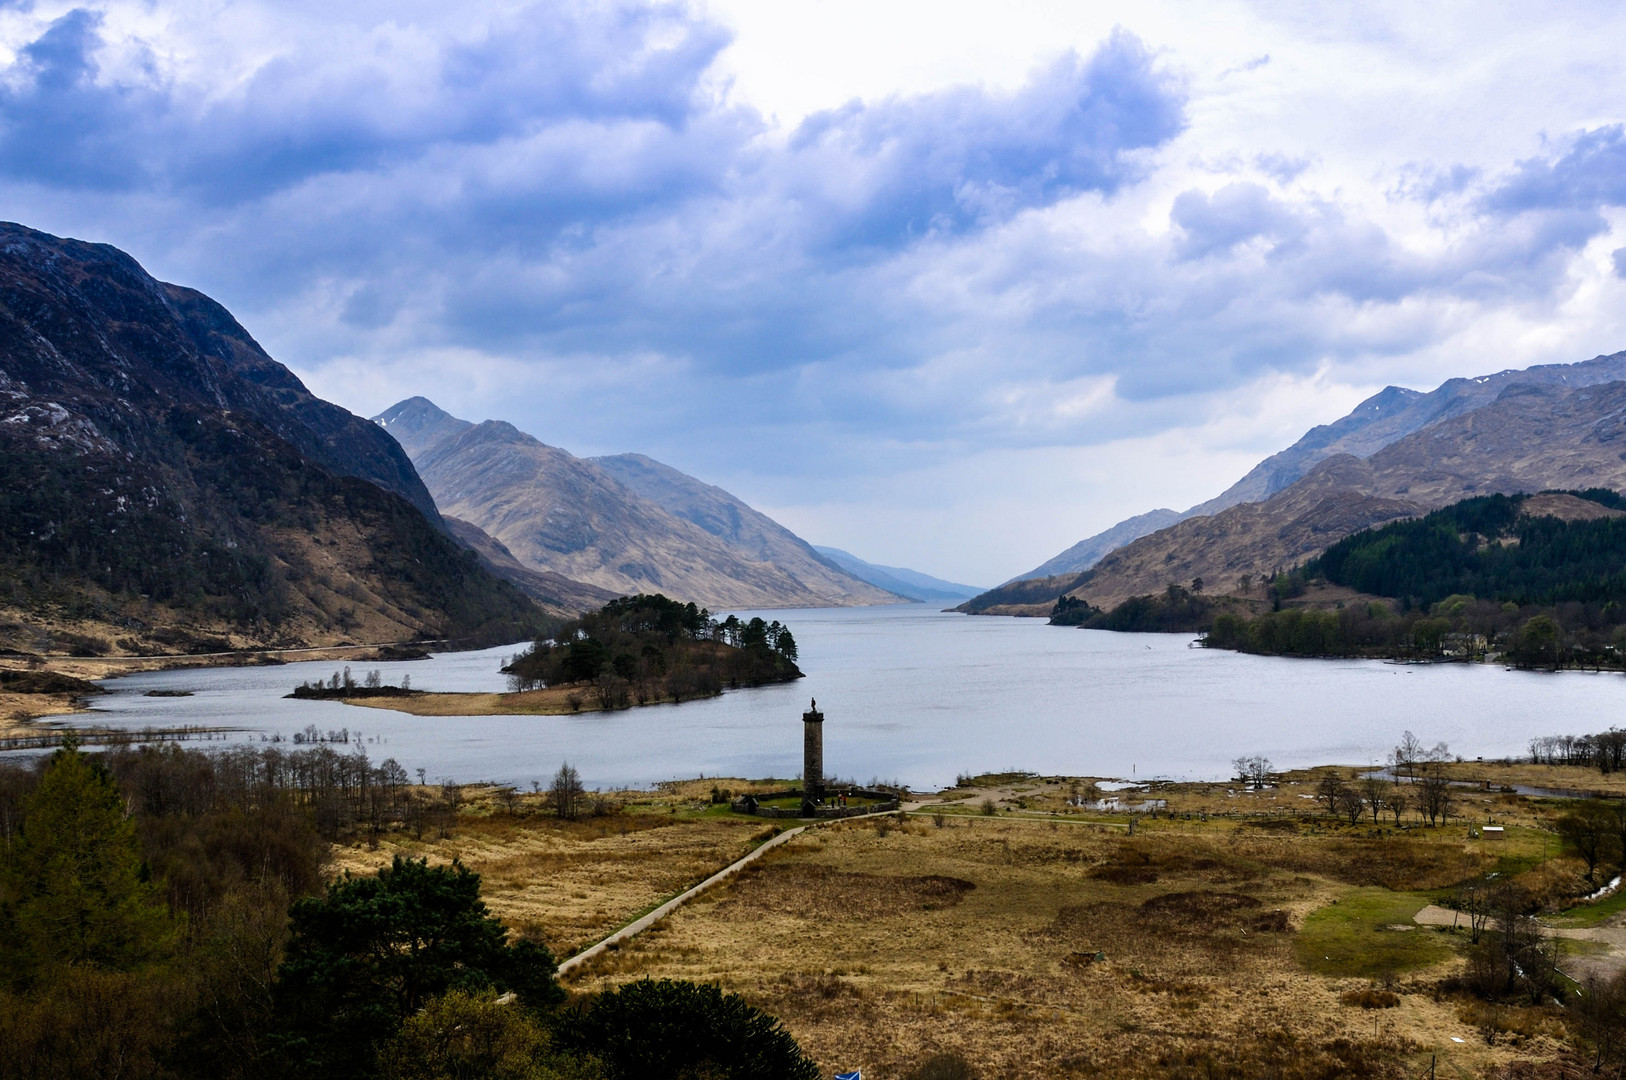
[1236,934]
[881,944]
[576,882]
[1368,933]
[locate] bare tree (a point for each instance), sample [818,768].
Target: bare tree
[1328,789]
[1406,756]
[566,792]
[1254,770]
[1474,900]
[1434,796]
[451,800]
[1398,803]
[1617,814]
[1351,803]
[1376,794]
[1589,830]
[1601,1008]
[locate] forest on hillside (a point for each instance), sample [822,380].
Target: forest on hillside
[1486,547]
[1477,578]
[647,648]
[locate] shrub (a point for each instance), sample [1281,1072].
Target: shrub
[660,1028]
[374,949]
[949,1066]
[1370,997]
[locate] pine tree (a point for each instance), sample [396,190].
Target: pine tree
[74,879]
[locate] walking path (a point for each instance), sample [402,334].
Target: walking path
[626,933]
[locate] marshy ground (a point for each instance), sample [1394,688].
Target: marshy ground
[1235,933]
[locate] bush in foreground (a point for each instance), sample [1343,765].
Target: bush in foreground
[684,1031]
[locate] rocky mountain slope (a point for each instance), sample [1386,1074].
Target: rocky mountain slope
[1385,417]
[555,592]
[1089,551]
[910,584]
[559,513]
[747,531]
[1532,436]
[165,484]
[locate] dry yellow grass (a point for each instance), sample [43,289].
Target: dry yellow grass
[554,701]
[1550,777]
[880,945]
[576,882]
[1294,797]
[16,710]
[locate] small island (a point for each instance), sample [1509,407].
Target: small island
[636,650]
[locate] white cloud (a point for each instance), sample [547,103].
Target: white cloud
[911,273]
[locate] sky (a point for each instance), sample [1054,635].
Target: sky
[951,286]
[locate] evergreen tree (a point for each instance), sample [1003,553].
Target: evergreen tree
[75,887]
[374,949]
[669,1028]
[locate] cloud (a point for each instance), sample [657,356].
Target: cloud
[947,161]
[1591,172]
[562,214]
[1235,214]
[84,108]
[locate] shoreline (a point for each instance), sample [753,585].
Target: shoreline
[112,667]
[550,701]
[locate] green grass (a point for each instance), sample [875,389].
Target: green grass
[1570,947]
[1350,936]
[1593,914]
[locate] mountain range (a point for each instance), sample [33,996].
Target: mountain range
[1385,417]
[625,523]
[165,485]
[911,584]
[1398,454]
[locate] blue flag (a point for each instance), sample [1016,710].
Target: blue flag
[856,1074]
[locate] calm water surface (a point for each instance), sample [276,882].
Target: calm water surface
[916,695]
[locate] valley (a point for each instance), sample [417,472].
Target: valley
[624,524]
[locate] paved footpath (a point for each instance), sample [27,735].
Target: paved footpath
[626,933]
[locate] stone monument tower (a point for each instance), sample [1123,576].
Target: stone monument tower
[813,754]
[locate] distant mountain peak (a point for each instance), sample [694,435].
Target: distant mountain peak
[418,424]
[909,584]
[626,523]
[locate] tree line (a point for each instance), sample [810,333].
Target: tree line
[648,648]
[167,915]
[1605,751]
[1412,780]
[1175,609]
[1475,577]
